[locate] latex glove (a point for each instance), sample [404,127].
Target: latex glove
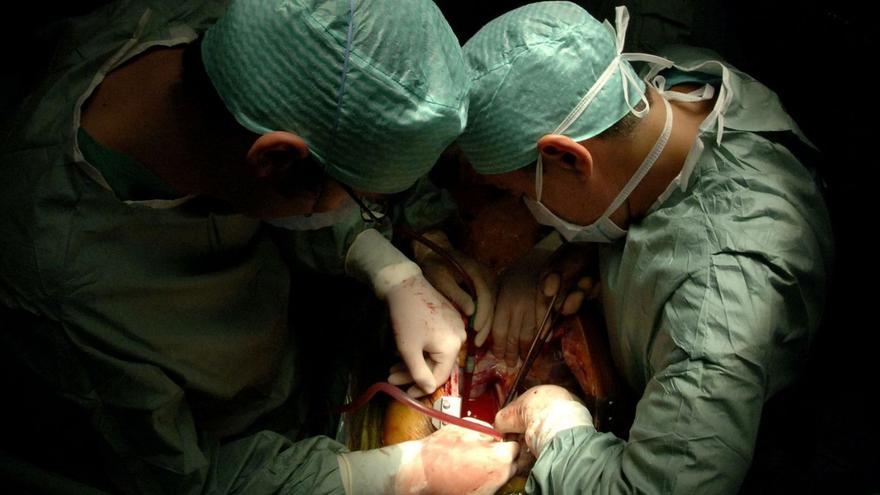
[452,460]
[518,307]
[526,288]
[450,283]
[427,328]
[429,333]
[573,268]
[540,413]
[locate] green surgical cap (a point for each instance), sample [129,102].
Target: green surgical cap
[529,69]
[377,88]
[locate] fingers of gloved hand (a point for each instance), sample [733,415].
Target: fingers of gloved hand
[568,266]
[572,260]
[499,466]
[424,323]
[399,378]
[541,304]
[458,329]
[575,296]
[464,461]
[590,286]
[443,364]
[585,283]
[511,349]
[511,419]
[441,359]
[485,288]
[534,321]
[443,280]
[418,368]
[482,335]
[550,286]
[506,452]
[518,416]
[500,325]
[415,392]
[527,331]
[572,303]
[472,435]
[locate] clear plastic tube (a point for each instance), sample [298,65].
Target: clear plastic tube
[408,401]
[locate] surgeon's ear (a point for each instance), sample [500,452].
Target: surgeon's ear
[566,153]
[274,153]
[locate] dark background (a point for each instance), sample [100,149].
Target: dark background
[818,57]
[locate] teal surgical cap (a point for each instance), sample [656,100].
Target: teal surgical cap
[530,68]
[377,88]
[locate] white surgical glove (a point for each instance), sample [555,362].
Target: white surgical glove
[448,281]
[452,460]
[526,288]
[573,268]
[519,306]
[427,328]
[540,413]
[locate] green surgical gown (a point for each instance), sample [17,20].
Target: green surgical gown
[711,303]
[165,323]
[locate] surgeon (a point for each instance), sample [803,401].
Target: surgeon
[134,181]
[712,240]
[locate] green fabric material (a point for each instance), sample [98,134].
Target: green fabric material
[529,68]
[750,105]
[324,249]
[420,207]
[675,77]
[424,206]
[377,121]
[128,179]
[711,302]
[167,327]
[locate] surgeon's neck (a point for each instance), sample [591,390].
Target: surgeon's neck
[685,129]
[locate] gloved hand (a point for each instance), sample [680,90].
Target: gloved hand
[518,307]
[540,413]
[573,268]
[427,329]
[527,287]
[447,280]
[452,460]
[429,333]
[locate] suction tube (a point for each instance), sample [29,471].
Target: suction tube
[408,401]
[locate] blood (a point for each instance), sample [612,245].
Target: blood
[483,407]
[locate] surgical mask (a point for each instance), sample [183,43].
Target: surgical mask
[603,229]
[317,220]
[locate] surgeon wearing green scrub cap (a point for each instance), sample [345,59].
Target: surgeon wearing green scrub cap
[712,242]
[133,183]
